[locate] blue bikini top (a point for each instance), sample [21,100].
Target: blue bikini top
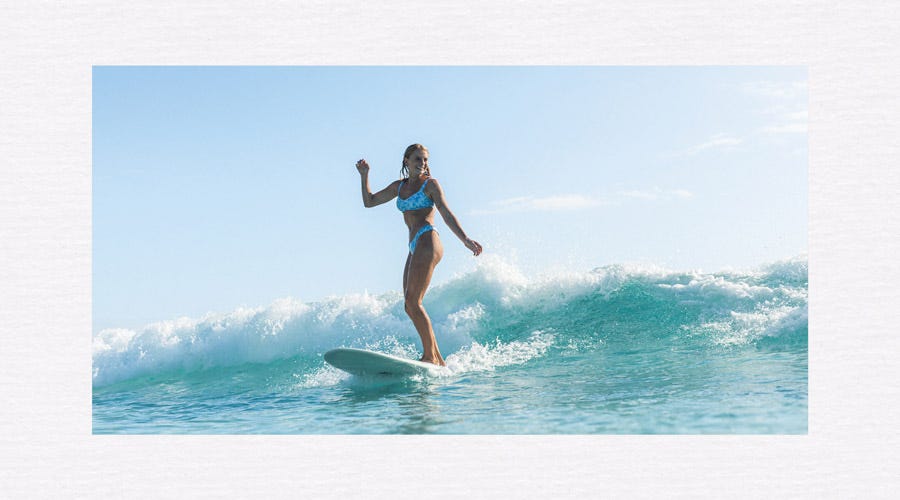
[416,201]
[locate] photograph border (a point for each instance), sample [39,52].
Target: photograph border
[46,224]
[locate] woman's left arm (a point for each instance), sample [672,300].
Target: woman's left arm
[434,191]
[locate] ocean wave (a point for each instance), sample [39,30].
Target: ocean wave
[484,319]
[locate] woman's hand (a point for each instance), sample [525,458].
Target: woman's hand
[362,166]
[474,246]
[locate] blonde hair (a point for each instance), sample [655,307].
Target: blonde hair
[404,170]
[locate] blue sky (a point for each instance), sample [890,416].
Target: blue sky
[221,187]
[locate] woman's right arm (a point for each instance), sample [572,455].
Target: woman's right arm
[373,200]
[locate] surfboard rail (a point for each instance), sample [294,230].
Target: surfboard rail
[370,363]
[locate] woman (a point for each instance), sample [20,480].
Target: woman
[417,194]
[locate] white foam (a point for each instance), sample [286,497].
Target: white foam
[719,287]
[285,329]
[744,328]
[479,357]
[323,377]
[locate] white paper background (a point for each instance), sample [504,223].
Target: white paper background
[46,53]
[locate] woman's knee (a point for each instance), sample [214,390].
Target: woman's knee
[412,305]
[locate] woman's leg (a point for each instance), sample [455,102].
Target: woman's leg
[417,277]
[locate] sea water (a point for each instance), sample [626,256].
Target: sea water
[614,350]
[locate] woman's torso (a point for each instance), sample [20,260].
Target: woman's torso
[411,194]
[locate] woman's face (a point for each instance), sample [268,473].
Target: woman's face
[416,162]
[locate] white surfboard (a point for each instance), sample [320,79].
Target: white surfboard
[370,363]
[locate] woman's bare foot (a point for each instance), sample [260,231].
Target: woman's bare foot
[439,361]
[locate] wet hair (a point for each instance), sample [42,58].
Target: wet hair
[404,170]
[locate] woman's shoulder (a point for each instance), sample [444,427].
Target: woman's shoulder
[431,182]
[432,186]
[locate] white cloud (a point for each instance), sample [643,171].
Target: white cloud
[801,115]
[776,90]
[641,195]
[570,202]
[543,204]
[786,128]
[657,194]
[787,122]
[718,141]
[787,103]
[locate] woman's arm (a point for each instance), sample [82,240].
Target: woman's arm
[373,200]
[434,191]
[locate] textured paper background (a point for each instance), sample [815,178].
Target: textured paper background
[47,50]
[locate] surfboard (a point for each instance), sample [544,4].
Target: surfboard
[370,363]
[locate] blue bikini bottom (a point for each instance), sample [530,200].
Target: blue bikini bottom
[422,230]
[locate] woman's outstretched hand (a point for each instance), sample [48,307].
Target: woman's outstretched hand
[474,246]
[362,166]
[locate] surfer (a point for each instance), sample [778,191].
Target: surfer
[417,195]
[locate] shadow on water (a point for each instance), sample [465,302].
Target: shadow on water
[395,405]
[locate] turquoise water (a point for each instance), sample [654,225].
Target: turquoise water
[615,350]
